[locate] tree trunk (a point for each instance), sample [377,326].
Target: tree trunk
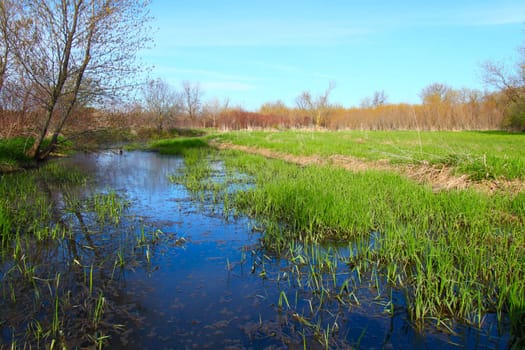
[34,151]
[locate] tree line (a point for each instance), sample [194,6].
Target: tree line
[66,64]
[163,107]
[442,107]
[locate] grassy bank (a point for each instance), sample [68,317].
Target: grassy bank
[12,154]
[481,155]
[456,255]
[178,146]
[13,151]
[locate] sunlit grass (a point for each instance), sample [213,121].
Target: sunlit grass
[177,146]
[457,254]
[483,155]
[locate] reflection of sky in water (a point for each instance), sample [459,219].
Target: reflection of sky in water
[142,176]
[191,300]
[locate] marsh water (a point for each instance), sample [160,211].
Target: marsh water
[203,281]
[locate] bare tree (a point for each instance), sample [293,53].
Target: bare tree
[213,108]
[379,98]
[6,17]
[162,101]
[192,97]
[436,93]
[316,108]
[11,21]
[510,81]
[74,51]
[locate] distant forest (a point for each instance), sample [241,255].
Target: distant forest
[66,67]
[442,108]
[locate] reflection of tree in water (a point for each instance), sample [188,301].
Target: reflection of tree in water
[65,290]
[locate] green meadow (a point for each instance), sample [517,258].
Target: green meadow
[479,154]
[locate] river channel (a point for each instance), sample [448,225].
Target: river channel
[206,283]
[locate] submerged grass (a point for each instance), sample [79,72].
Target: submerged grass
[27,207]
[61,250]
[457,255]
[109,207]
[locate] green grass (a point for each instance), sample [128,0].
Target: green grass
[26,206]
[108,207]
[14,148]
[178,146]
[12,153]
[479,154]
[457,254]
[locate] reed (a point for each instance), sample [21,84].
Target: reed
[108,207]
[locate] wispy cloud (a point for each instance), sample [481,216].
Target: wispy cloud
[211,80]
[477,14]
[278,67]
[225,86]
[328,77]
[444,13]
[289,70]
[496,15]
[206,74]
[246,33]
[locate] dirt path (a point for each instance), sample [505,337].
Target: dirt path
[439,177]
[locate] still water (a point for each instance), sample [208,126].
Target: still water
[207,284]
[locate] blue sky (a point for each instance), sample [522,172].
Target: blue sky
[254,52]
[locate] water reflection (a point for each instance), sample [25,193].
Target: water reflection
[210,291]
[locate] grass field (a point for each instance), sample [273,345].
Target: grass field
[460,252]
[481,155]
